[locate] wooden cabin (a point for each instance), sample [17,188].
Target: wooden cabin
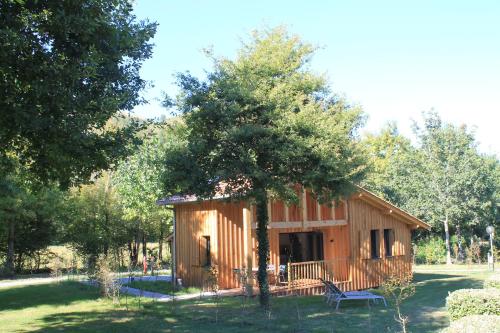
[355,242]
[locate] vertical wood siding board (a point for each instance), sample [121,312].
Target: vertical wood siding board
[222,245]
[235,245]
[245,238]
[303,205]
[286,212]
[231,252]
[229,249]
[238,242]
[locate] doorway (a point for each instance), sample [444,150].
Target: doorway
[300,247]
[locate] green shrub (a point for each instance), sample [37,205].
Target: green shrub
[465,302]
[492,282]
[431,250]
[474,324]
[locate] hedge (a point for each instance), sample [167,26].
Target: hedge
[465,302]
[493,282]
[475,324]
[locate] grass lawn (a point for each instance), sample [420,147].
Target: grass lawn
[73,307]
[162,287]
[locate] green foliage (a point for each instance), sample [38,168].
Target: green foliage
[265,121]
[34,215]
[385,151]
[66,68]
[431,250]
[474,324]
[492,282]
[443,179]
[262,123]
[465,302]
[138,179]
[96,224]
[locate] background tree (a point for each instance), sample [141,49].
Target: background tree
[32,220]
[138,181]
[457,188]
[66,68]
[260,124]
[385,151]
[96,224]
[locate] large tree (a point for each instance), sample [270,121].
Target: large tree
[260,124]
[66,68]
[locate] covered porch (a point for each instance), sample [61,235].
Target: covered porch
[304,278]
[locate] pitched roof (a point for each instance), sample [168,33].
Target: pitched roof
[185,198]
[362,194]
[391,209]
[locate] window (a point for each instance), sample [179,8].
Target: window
[205,258]
[388,241]
[300,246]
[374,244]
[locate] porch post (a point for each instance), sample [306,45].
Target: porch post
[174,250]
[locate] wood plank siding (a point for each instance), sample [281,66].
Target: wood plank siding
[364,271]
[346,228]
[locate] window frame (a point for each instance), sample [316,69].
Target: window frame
[205,251]
[389,240]
[375,248]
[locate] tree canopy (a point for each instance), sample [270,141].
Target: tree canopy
[66,68]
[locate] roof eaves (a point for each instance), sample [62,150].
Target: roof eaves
[404,214]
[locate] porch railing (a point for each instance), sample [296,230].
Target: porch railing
[309,272]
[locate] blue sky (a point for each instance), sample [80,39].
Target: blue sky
[394,58]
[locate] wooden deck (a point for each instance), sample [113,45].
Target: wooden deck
[304,278]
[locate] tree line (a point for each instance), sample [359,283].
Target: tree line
[442,178]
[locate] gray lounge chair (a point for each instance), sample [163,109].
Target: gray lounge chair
[334,294]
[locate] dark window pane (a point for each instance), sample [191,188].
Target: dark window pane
[374,244]
[388,241]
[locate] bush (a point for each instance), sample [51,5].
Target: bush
[493,282]
[474,324]
[431,250]
[465,302]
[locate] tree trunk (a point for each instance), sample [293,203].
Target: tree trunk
[263,248]
[135,251]
[460,253]
[447,236]
[160,243]
[144,246]
[130,253]
[9,264]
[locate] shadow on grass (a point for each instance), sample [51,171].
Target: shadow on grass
[420,277]
[427,308]
[109,321]
[62,293]
[291,314]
